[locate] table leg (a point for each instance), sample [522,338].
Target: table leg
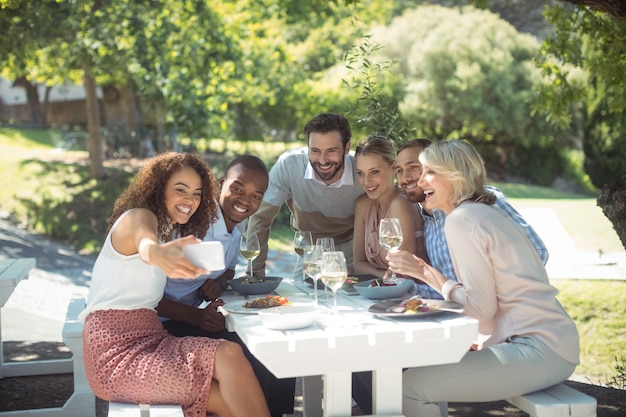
[387,391]
[338,394]
[312,387]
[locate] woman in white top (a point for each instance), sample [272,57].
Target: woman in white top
[128,355]
[527,342]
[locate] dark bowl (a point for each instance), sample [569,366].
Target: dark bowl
[245,286]
[384,293]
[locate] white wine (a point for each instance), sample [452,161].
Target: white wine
[313,269]
[301,250]
[334,280]
[391,242]
[250,254]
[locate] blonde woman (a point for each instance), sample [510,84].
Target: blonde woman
[527,342]
[374,162]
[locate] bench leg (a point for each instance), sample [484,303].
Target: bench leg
[82,403]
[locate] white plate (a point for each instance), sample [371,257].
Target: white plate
[384,308]
[238,306]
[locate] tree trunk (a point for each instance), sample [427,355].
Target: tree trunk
[37,117]
[612,200]
[616,8]
[133,121]
[96,167]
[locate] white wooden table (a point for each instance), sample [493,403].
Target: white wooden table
[362,342]
[12,271]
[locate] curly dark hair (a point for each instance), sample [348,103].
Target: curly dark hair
[147,190]
[329,122]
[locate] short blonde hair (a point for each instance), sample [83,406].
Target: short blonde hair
[461,163]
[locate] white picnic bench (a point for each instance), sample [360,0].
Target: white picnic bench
[72,334]
[144,410]
[557,401]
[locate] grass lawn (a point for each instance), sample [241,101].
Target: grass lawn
[56,197]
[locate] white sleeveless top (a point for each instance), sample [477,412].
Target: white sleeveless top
[120,282]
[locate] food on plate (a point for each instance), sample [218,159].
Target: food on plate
[413,306]
[267,302]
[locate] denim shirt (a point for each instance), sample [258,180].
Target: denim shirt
[437,247]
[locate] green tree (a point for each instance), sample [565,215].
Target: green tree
[469,74]
[592,36]
[27,55]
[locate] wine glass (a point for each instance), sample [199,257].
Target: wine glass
[334,273]
[249,249]
[302,242]
[313,266]
[327,243]
[390,236]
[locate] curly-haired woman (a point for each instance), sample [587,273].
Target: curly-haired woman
[128,355]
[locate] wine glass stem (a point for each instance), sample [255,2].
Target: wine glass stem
[315,289]
[335,301]
[250,266]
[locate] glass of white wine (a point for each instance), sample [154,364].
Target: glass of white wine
[249,249]
[328,245]
[302,242]
[390,236]
[313,266]
[334,273]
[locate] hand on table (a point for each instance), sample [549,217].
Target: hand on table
[210,319]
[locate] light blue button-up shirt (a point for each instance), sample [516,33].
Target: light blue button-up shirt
[437,247]
[186,290]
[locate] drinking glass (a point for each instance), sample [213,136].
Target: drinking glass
[390,236]
[313,266]
[249,249]
[334,273]
[327,243]
[302,242]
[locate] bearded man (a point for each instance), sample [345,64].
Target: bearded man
[319,186]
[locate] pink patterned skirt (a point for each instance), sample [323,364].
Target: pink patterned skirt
[130,357]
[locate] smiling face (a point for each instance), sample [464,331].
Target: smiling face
[241,195]
[438,190]
[374,174]
[326,153]
[408,170]
[183,192]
